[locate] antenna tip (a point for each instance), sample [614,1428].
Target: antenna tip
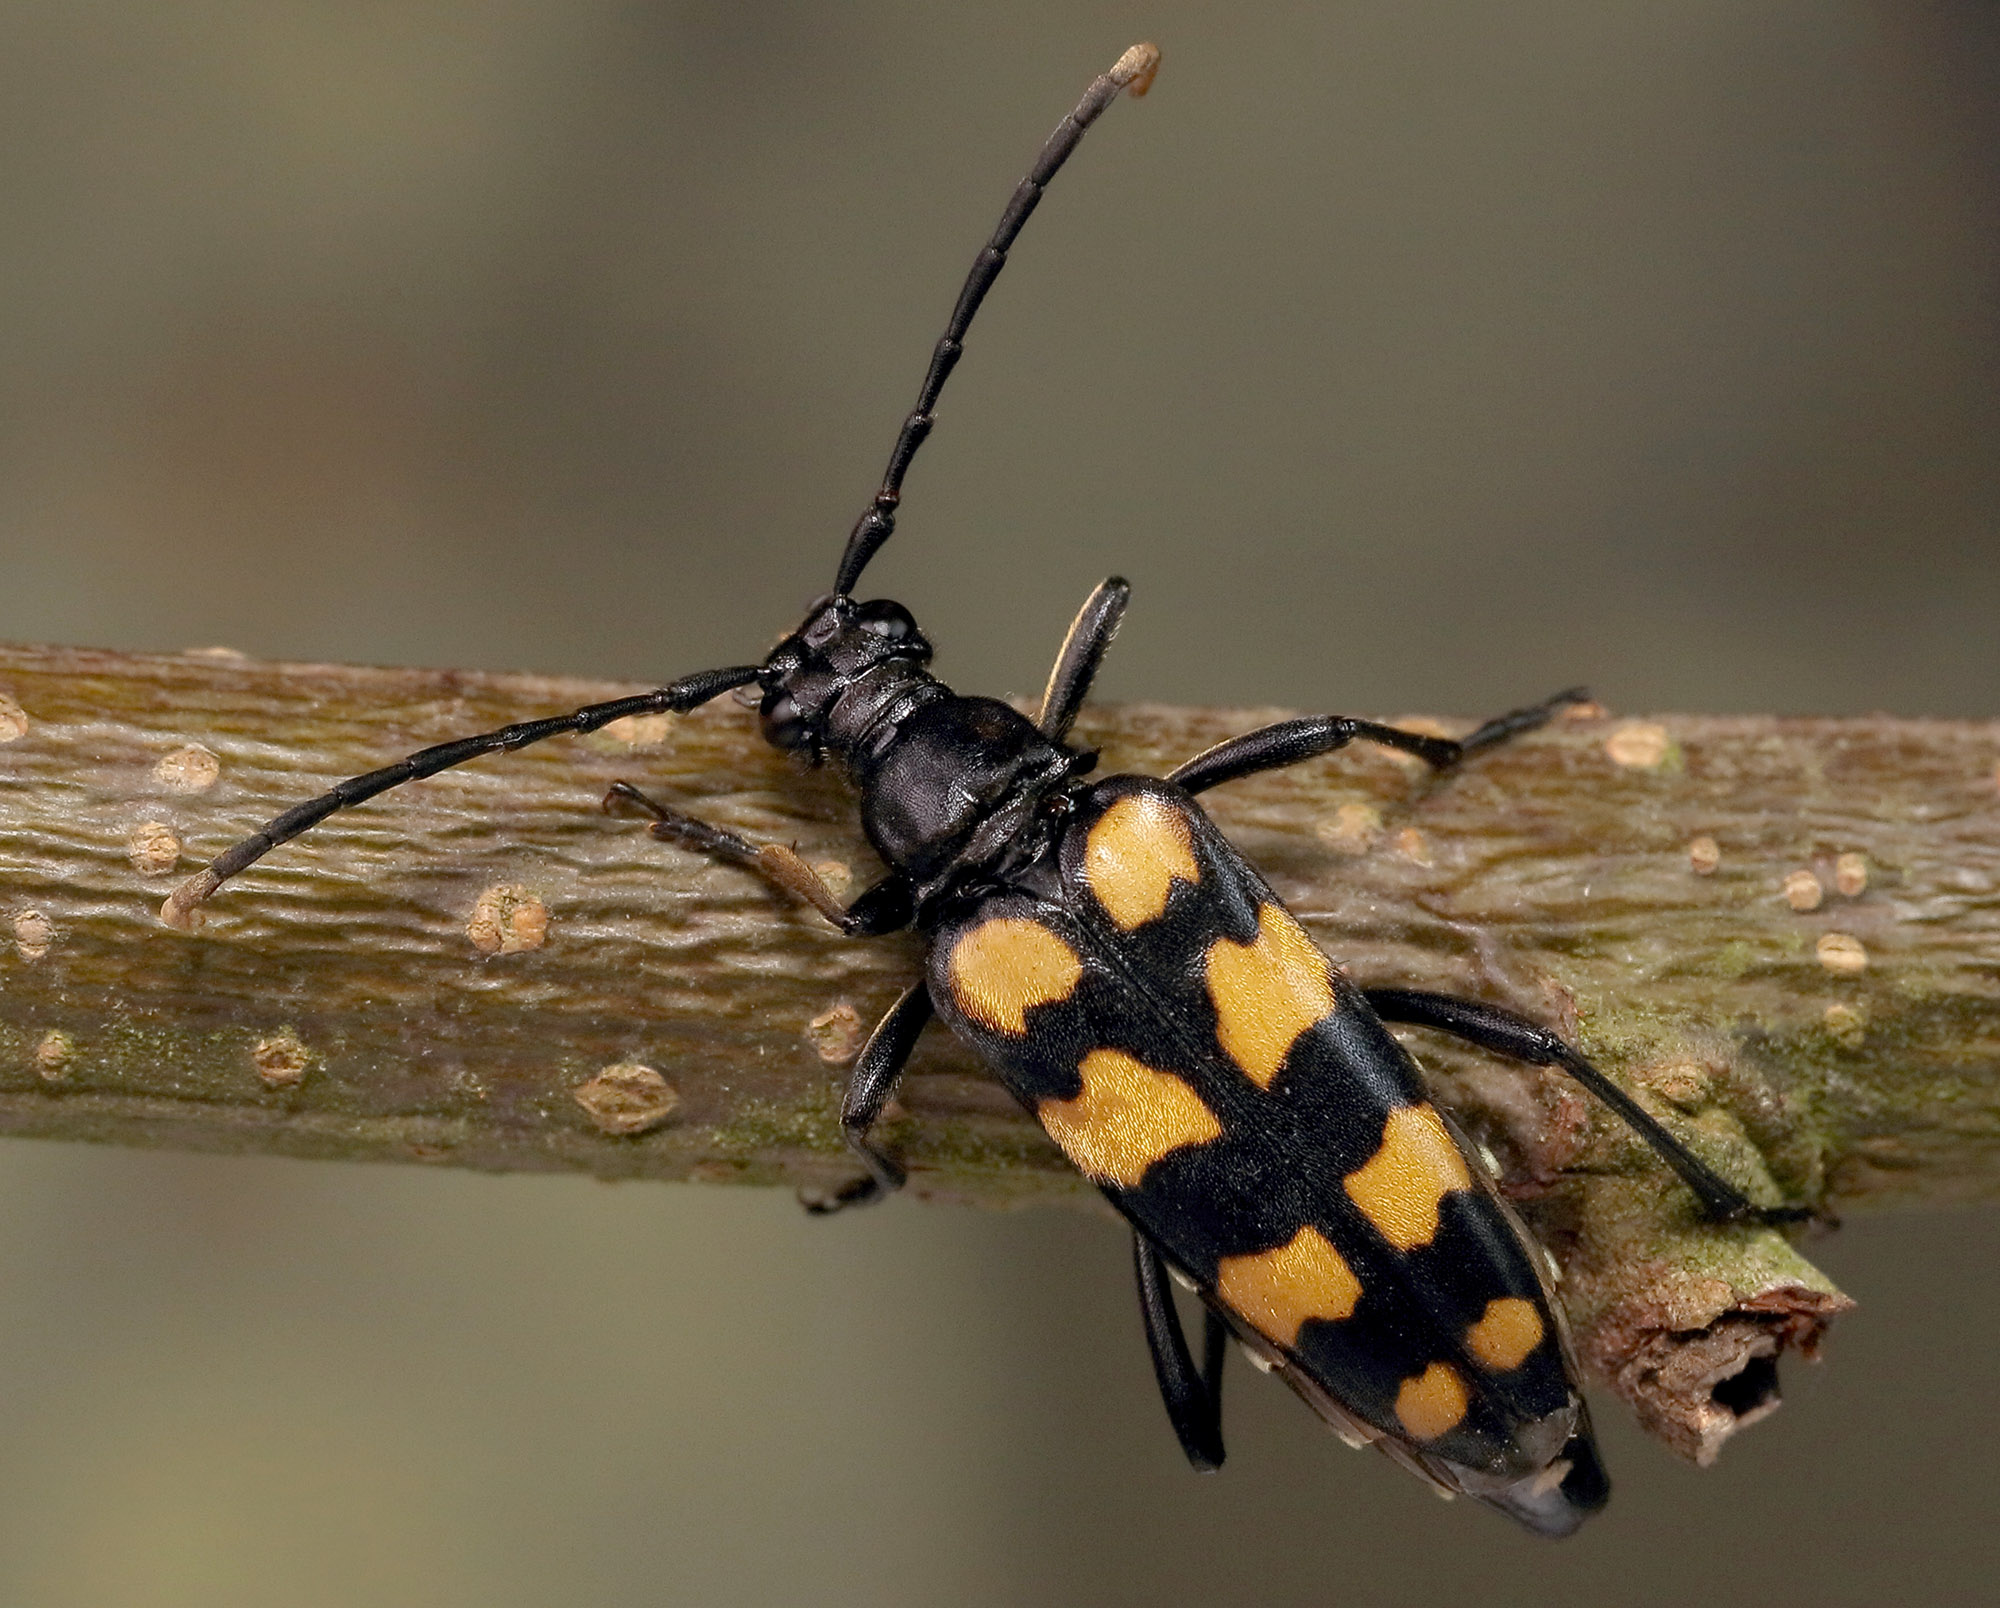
[179,910]
[1134,70]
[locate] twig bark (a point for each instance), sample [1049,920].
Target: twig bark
[1784,933]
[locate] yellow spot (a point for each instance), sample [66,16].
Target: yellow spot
[1267,993]
[1003,966]
[1704,855]
[1275,1291]
[1398,1188]
[1432,1403]
[13,720]
[1502,1339]
[1127,1118]
[1842,952]
[1134,853]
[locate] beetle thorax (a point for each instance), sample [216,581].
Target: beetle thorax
[949,785]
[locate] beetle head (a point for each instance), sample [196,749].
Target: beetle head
[840,644]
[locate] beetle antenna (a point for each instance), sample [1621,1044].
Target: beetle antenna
[1134,71]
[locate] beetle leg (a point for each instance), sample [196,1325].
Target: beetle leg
[869,1087]
[1194,1400]
[1515,721]
[1501,1031]
[1214,1352]
[1290,741]
[882,907]
[1083,649]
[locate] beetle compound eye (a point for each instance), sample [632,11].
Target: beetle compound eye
[784,726]
[886,619]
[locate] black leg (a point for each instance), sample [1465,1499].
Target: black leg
[1134,71]
[1515,721]
[869,1087]
[1214,1352]
[1090,634]
[1194,1400]
[1504,1033]
[678,697]
[1290,741]
[883,907]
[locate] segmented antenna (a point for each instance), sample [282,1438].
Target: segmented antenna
[1134,71]
[690,692]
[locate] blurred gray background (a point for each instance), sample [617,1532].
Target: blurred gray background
[1407,357]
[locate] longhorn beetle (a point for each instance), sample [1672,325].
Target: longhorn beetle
[1140,990]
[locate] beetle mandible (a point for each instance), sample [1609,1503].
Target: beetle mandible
[1138,988]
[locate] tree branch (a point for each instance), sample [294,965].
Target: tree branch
[1784,933]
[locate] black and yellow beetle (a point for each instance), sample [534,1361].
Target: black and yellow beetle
[1138,987]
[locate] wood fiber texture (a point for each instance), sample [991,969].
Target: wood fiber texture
[1785,934]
